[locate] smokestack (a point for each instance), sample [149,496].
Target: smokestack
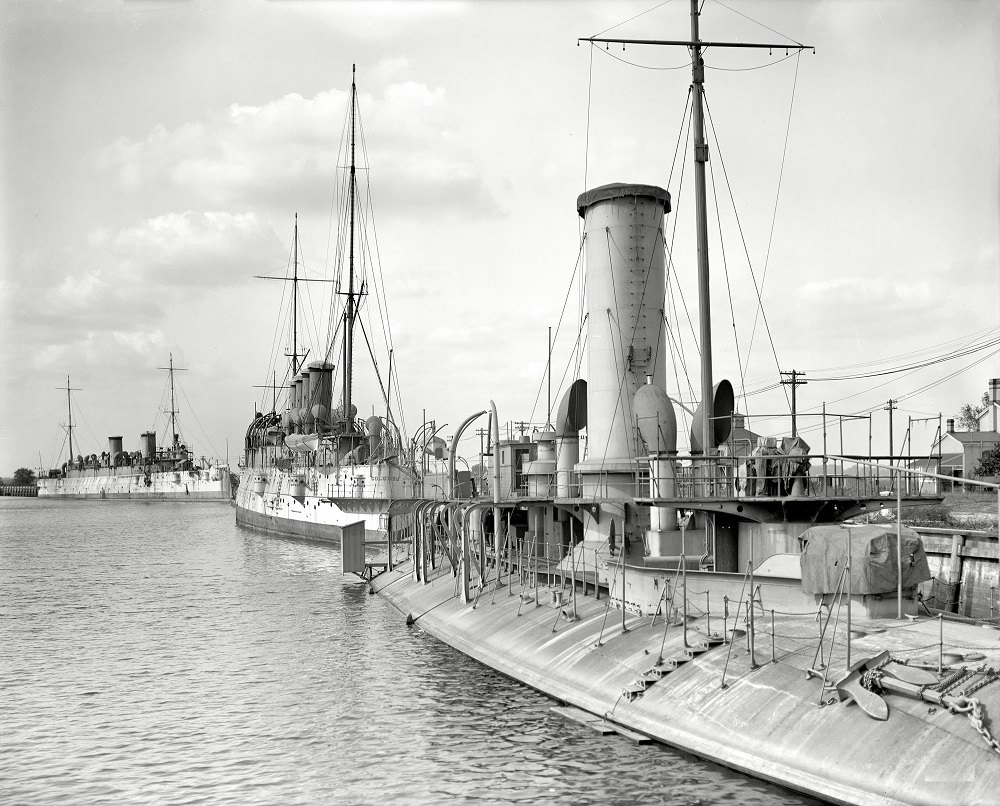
[321,391]
[305,412]
[295,408]
[114,450]
[147,442]
[625,280]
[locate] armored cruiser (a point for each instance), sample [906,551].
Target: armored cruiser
[151,472]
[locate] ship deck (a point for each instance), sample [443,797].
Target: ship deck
[773,712]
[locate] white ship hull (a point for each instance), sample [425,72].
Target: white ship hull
[317,505]
[212,484]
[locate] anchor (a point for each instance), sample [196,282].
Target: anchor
[850,687]
[865,680]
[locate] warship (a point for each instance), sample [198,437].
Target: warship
[151,472]
[732,600]
[309,467]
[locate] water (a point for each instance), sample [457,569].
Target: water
[156,653]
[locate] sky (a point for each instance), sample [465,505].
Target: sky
[155,155]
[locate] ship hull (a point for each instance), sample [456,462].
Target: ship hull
[287,526]
[261,505]
[212,485]
[771,721]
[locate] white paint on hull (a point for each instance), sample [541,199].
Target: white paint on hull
[202,485]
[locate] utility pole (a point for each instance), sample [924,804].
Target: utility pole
[891,407]
[793,382]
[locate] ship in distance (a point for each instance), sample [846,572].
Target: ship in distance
[171,472]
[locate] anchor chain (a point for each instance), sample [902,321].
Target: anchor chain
[872,678]
[973,708]
[989,676]
[962,704]
[942,687]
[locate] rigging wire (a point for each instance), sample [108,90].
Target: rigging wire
[755,67]
[741,367]
[313,335]
[777,192]
[758,22]
[634,17]
[581,224]
[379,285]
[758,288]
[607,52]
[194,415]
[673,289]
[90,430]
[555,336]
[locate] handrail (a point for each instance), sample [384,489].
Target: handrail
[607,608]
[838,597]
[736,619]
[731,478]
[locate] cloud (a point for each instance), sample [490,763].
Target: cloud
[117,290]
[866,291]
[194,249]
[283,154]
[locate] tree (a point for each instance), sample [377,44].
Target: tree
[24,477]
[989,463]
[968,415]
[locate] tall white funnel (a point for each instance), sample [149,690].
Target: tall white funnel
[625,291]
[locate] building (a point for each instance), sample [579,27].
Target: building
[961,451]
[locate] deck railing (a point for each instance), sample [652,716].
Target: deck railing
[726,477]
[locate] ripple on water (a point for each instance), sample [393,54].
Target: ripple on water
[157,654]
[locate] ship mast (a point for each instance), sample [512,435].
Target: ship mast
[295,297]
[695,47]
[294,354]
[69,413]
[173,406]
[701,226]
[349,310]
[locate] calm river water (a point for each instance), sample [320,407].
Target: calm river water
[155,653]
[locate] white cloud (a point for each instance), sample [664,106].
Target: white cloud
[283,154]
[195,249]
[859,290]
